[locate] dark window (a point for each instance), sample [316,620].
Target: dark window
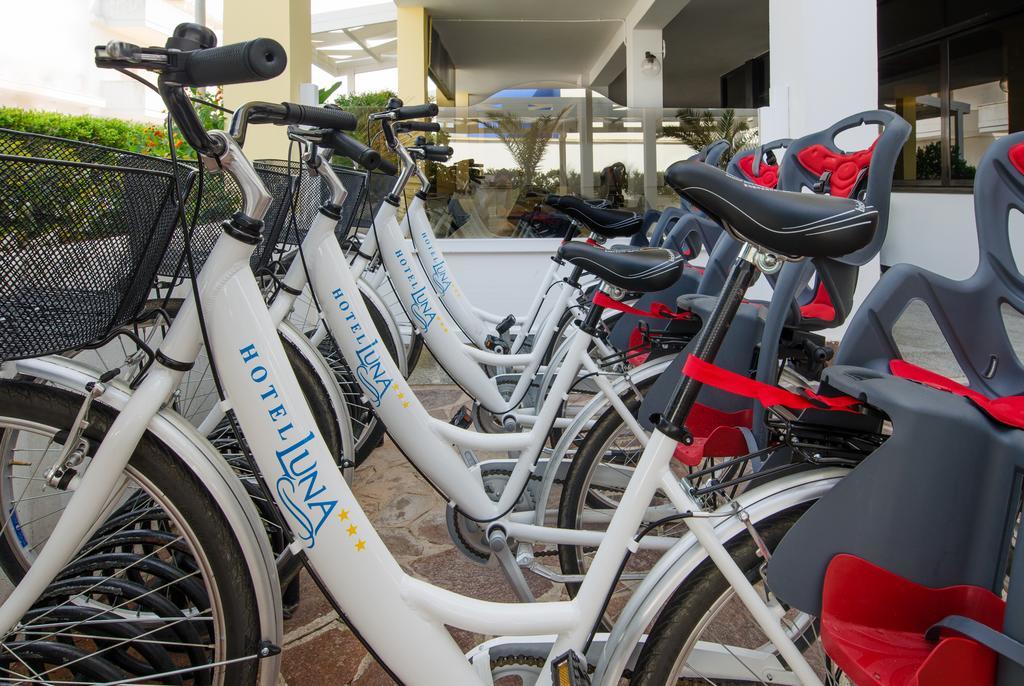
[747,85]
[958,78]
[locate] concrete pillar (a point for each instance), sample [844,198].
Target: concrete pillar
[807,93]
[462,128]
[585,126]
[442,101]
[906,107]
[289,24]
[644,93]
[350,83]
[413,32]
[563,178]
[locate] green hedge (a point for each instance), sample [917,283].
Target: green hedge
[148,139]
[113,133]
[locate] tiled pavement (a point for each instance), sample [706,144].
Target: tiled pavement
[410,517]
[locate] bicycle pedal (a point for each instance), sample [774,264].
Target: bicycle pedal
[569,670]
[462,418]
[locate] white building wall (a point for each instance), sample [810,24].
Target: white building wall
[46,49]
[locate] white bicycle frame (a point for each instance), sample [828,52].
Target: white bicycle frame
[428,315]
[475,323]
[428,442]
[402,618]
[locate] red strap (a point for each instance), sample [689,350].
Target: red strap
[657,311]
[766,394]
[1008,410]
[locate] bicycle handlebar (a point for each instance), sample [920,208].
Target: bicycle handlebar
[424,126]
[349,147]
[387,167]
[190,58]
[328,117]
[415,112]
[255,60]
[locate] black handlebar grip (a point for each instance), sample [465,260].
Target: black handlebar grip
[386,167]
[349,147]
[425,126]
[552,200]
[319,117]
[256,60]
[438,150]
[416,111]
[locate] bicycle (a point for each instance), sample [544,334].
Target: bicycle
[400,617]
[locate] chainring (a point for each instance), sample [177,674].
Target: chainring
[468,535]
[486,421]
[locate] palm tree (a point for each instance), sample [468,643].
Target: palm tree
[526,141]
[697,129]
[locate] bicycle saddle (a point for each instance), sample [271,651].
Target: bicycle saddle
[609,223]
[640,270]
[790,224]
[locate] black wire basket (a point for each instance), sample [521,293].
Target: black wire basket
[309,194]
[219,197]
[83,229]
[376,190]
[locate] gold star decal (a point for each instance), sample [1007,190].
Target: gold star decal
[343,515]
[405,404]
[351,529]
[394,386]
[360,545]
[401,395]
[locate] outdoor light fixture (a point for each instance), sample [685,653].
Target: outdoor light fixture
[651,65]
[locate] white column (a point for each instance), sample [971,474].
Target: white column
[309,94]
[350,83]
[585,120]
[808,92]
[644,93]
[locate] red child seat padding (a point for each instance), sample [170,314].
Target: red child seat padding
[1008,410]
[1017,157]
[845,169]
[715,434]
[821,307]
[767,176]
[873,625]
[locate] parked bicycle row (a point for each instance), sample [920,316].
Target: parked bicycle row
[197,355]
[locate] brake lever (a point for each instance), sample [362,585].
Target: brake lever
[124,55]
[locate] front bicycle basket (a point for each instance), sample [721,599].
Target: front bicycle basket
[82,231]
[218,199]
[376,190]
[309,194]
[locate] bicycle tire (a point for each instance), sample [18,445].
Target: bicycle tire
[185,499]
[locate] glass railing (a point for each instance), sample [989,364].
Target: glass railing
[510,153]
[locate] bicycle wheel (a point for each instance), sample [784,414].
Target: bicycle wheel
[705,636]
[160,587]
